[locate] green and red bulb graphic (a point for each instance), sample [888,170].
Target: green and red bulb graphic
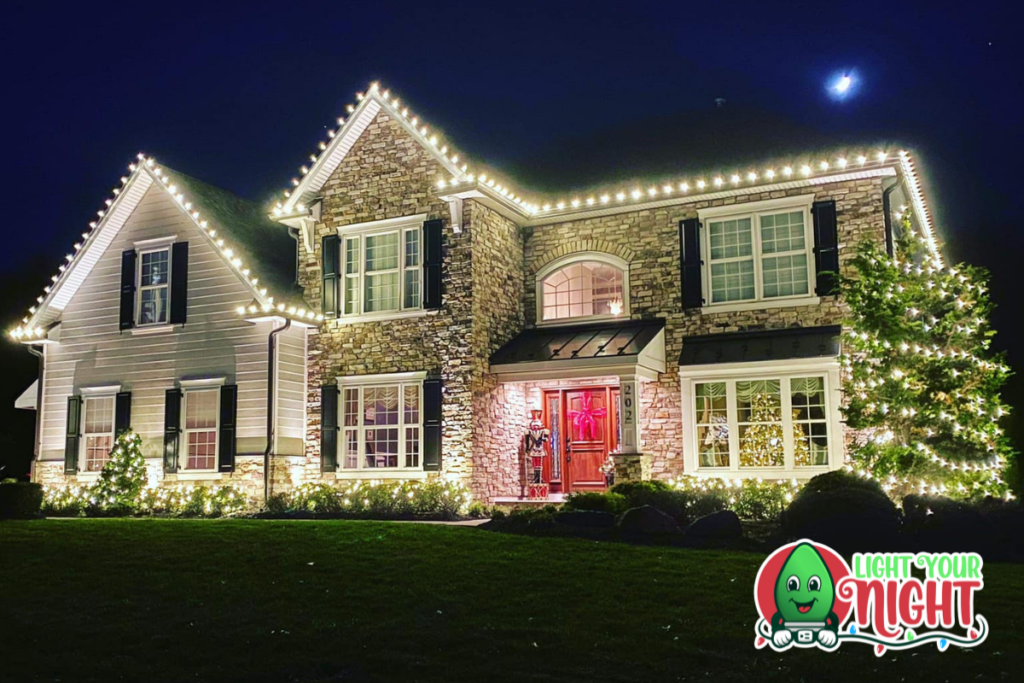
[804,597]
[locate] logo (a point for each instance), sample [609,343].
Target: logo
[808,596]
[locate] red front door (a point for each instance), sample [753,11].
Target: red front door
[587,416]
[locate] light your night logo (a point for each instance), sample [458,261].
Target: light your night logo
[808,596]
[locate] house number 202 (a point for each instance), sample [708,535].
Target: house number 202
[627,402]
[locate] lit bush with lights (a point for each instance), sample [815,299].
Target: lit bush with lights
[375,500]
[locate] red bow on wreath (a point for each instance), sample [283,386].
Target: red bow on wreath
[585,419]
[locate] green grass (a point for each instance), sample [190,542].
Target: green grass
[231,600]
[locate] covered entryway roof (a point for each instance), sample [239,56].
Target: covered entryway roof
[761,346]
[627,347]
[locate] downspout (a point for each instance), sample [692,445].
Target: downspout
[887,211]
[38,353]
[271,357]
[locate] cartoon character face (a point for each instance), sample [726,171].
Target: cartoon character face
[804,590]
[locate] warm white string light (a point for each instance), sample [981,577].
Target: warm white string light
[31,331]
[465,176]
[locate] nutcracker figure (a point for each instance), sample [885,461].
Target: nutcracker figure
[533,457]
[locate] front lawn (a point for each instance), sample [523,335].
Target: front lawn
[233,600]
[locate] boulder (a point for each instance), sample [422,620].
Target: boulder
[647,521]
[588,519]
[718,526]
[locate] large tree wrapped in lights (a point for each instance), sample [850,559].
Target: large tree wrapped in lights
[920,379]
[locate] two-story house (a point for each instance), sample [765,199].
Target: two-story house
[686,326]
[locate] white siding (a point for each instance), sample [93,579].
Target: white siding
[214,342]
[291,384]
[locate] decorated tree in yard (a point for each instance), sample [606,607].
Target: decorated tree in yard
[920,380]
[123,476]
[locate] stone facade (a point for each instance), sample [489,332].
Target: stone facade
[649,241]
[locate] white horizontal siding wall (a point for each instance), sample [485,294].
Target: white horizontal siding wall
[291,390]
[214,342]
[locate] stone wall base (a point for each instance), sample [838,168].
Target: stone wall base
[631,467]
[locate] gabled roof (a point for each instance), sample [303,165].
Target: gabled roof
[259,252]
[694,186]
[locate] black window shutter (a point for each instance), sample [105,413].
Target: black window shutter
[122,412]
[228,420]
[179,282]
[432,424]
[172,429]
[331,245]
[328,428]
[826,248]
[72,434]
[127,289]
[432,236]
[690,263]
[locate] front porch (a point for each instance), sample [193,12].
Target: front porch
[582,387]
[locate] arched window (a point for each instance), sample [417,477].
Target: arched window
[583,286]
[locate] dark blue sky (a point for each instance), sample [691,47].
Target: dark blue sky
[239,94]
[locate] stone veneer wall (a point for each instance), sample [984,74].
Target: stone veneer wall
[387,174]
[649,240]
[500,412]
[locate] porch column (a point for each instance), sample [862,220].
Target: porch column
[629,418]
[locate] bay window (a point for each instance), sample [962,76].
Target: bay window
[762,425]
[381,425]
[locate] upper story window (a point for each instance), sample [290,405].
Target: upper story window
[382,267]
[154,286]
[760,252]
[583,287]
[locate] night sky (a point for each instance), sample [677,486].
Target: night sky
[554,94]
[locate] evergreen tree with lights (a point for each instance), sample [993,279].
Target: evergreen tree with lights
[123,476]
[920,381]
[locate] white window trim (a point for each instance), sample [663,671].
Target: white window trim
[191,387]
[199,382]
[92,394]
[361,231]
[156,243]
[562,262]
[139,253]
[754,211]
[361,382]
[786,369]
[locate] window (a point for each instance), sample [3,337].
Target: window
[202,409]
[758,255]
[749,424]
[154,293]
[381,426]
[583,288]
[382,271]
[98,432]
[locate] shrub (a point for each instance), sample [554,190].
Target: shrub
[991,527]
[841,479]
[846,519]
[630,488]
[375,500]
[751,499]
[529,520]
[614,503]
[20,500]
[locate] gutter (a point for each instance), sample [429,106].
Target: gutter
[271,420]
[890,248]
[38,353]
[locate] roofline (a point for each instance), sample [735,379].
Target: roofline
[120,208]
